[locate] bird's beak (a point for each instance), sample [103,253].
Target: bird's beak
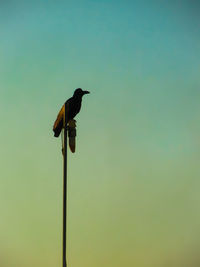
[86,92]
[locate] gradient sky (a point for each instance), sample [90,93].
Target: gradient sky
[134,181]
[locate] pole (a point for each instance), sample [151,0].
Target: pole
[65,190]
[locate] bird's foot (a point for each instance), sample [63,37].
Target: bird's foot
[72,124]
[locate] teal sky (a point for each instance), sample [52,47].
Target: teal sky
[134,179]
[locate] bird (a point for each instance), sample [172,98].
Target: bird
[73,106]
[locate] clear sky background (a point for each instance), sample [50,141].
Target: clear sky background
[134,180]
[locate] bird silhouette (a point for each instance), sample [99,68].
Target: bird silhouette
[73,106]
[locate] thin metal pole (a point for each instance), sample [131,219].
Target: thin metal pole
[65,190]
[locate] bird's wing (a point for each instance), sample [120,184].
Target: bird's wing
[59,122]
[59,117]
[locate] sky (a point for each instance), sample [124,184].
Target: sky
[133,183]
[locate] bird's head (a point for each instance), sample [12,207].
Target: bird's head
[79,92]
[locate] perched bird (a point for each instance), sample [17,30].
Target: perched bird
[73,106]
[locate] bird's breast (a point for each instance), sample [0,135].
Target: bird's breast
[74,108]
